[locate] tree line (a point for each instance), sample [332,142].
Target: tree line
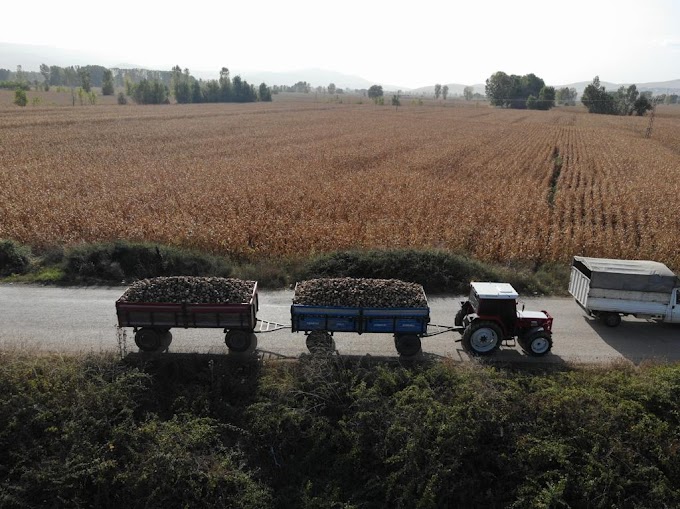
[519,92]
[188,89]
[625,101]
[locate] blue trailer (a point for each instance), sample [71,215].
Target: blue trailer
[320,322]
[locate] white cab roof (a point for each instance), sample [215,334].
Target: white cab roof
[495,290]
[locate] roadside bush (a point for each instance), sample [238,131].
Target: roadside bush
[82,433]
[124,261]
[329,431]
[14,258]
[437,271]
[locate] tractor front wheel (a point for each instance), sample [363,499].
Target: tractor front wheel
[482,338]
[537,344]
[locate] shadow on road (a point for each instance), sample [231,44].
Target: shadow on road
[639,340]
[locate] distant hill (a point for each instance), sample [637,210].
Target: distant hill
[31,56]
[454,89]
[315,77]
[657,87]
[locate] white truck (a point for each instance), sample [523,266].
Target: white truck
[609,289]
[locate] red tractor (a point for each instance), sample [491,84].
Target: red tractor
[491,317]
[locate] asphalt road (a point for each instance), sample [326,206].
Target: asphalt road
[50,319]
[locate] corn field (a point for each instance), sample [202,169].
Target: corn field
[291,178]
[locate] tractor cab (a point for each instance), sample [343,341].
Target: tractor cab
[496,301]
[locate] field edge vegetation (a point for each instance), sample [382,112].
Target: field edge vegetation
[202,431]
[121,262]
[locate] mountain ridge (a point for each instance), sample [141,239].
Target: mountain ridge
[31,56]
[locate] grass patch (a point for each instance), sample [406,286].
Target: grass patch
[196,430]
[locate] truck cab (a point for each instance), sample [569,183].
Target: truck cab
[490,316]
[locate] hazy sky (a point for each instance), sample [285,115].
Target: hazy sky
[410,44]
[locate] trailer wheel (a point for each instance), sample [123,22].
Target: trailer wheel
[149,340]
[166,339]
[611,319]
[481,338]
[238,340]
[407,345]
[319,341]
[537,344]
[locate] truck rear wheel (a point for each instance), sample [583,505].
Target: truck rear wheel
[481,338]
[611,319]
[537,344]
[150,340]
[319,341]
[407,345]
[238,340]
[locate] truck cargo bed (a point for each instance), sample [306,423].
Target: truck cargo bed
[631,302]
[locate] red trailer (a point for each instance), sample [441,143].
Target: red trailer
[152,321]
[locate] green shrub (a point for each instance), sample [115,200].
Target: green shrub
[437,271]
[124,261]
[14,258]
[329,431]
[20,98]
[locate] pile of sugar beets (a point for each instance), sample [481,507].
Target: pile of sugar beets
[361,293]
[190,289]
[348,292]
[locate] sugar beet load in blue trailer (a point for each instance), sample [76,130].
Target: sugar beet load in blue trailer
[320,322]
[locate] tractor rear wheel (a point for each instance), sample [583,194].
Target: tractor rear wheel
[407,345]
[482,338]
[537,344]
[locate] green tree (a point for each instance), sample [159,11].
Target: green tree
[375,92]
[122,99]
[20,98]
[20,75]
[331,88]
[566,96]
[150,92]
[546,98]
[226,86]
[196,92]
[499,89]
[597,100]
[265,93]
[396,102]
[445,91]
[437,91]
[107,83]
[45,71]
[468,92]
[642,105]
[84,79]
[181,86]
